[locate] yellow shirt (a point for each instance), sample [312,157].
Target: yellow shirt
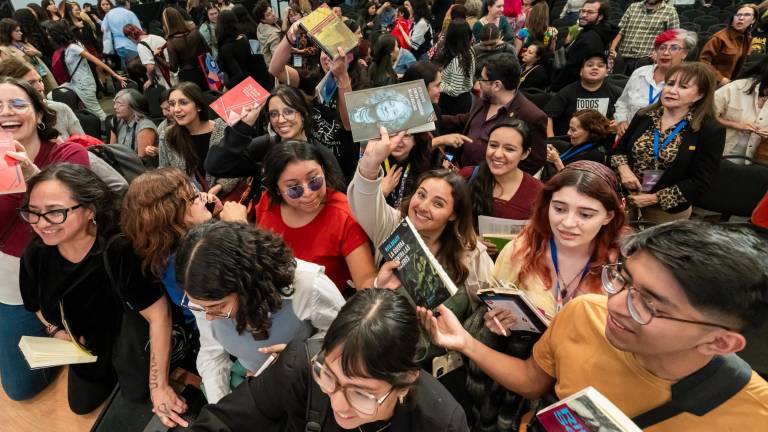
[576,353]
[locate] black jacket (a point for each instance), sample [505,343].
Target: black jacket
[277,400]
[697,161]
[592,39]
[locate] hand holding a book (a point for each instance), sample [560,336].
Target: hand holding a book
[387,277]
[28,167]
[253,113]
[376,151]
[506,319]
[445,330]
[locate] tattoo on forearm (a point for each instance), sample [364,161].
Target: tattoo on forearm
[153,372]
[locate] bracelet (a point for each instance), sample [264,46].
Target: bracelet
[376,282]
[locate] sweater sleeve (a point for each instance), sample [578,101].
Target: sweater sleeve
[238,154]
[708,53]
[371,210]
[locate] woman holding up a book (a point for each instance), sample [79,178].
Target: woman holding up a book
[440,210]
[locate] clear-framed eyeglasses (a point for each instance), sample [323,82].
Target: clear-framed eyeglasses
[187,304]
[361,401]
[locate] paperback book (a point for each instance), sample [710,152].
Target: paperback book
[11,177]
[397,107]
[499,231]
[43,352]
[587,410]
[422,277]
[529,317]
[232,106]
[329,32]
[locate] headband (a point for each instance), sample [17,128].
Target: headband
[603,172]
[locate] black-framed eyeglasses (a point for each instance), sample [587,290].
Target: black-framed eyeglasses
[55,217]
[297,191]
[186,304]
[588,12]
[486,80]
[287,113]
[361,401]
[616,278]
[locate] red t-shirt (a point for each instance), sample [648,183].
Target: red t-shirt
[760,215]
[14,232]
[520,206]
[326,240]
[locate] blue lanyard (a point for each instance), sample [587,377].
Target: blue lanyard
[570,153]
[651,97]
[558,297]
[672,135]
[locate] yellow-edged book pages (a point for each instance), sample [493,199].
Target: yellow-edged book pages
[43,352]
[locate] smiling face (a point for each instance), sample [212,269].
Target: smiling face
[589,14]
[743,18]
[575,218]
[289,123]
[576,133]
[679,94]
[431,207]
[75,10]
[51,7]
[52,195]
[496,9]
[504,151]
[392,109]
[184,111]
[594,70]
[671,53]
[345,415]
[301,173]
[17,115]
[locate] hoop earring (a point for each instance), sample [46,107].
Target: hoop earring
[39,126]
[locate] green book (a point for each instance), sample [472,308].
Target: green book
[329,32]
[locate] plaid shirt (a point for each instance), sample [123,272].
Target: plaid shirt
[639,28]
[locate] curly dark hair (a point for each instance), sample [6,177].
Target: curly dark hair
[220,258]
[48,120]
[32,32]
[61,35]
[87,189]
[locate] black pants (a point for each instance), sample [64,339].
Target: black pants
[86,392]
[629,64]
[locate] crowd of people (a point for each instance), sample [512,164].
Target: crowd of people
[248,254]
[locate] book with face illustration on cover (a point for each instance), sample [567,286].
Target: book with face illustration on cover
[397,107]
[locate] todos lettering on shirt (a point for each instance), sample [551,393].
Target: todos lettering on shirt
[600,104]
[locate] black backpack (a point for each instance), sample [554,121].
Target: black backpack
[123,159]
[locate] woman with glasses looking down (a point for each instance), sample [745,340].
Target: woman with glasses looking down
[366,378]
[644,87]
[248,293]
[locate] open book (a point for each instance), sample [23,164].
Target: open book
[421,275]
[499,231]
[529,317]
[587,410]
[43,352]
[11,177]
[397,107]
[328,31]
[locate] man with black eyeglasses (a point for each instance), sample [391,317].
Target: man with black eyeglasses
[677,306]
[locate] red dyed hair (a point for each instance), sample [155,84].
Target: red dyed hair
[536,234]
[665,37]
[132,32]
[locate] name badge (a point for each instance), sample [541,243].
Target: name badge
[650,178]
[297,61]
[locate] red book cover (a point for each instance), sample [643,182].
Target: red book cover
[562,419]
[11,177]
[230,106]
[585,411]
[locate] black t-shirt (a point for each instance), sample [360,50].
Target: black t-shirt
[93,307]
[328,130]
[574,97]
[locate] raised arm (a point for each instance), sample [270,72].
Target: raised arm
[240,152]
[281,55]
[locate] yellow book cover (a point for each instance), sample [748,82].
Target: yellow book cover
[329,32]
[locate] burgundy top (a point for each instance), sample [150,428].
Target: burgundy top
[14,232]
[520,206]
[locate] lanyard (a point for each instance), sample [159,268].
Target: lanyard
[573,151]
[560,296]
[401,188]
[672,135]
[651,98]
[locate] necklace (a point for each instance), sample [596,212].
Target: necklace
[360,428]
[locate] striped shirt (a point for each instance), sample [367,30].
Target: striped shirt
[639,27]
[456,80]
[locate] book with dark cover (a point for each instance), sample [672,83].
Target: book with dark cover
[420,274]
[587,410]
[231,105]
[529,317]
[11,177]
[328,31]
[396,107]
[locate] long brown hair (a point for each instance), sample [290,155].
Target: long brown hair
[535,236]
[178,137]
[458,236]
[537,22]
[153,214]
[704,76]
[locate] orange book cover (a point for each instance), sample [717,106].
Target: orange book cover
[231,106]
[11,177]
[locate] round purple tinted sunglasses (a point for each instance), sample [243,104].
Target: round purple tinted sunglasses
[297,191]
